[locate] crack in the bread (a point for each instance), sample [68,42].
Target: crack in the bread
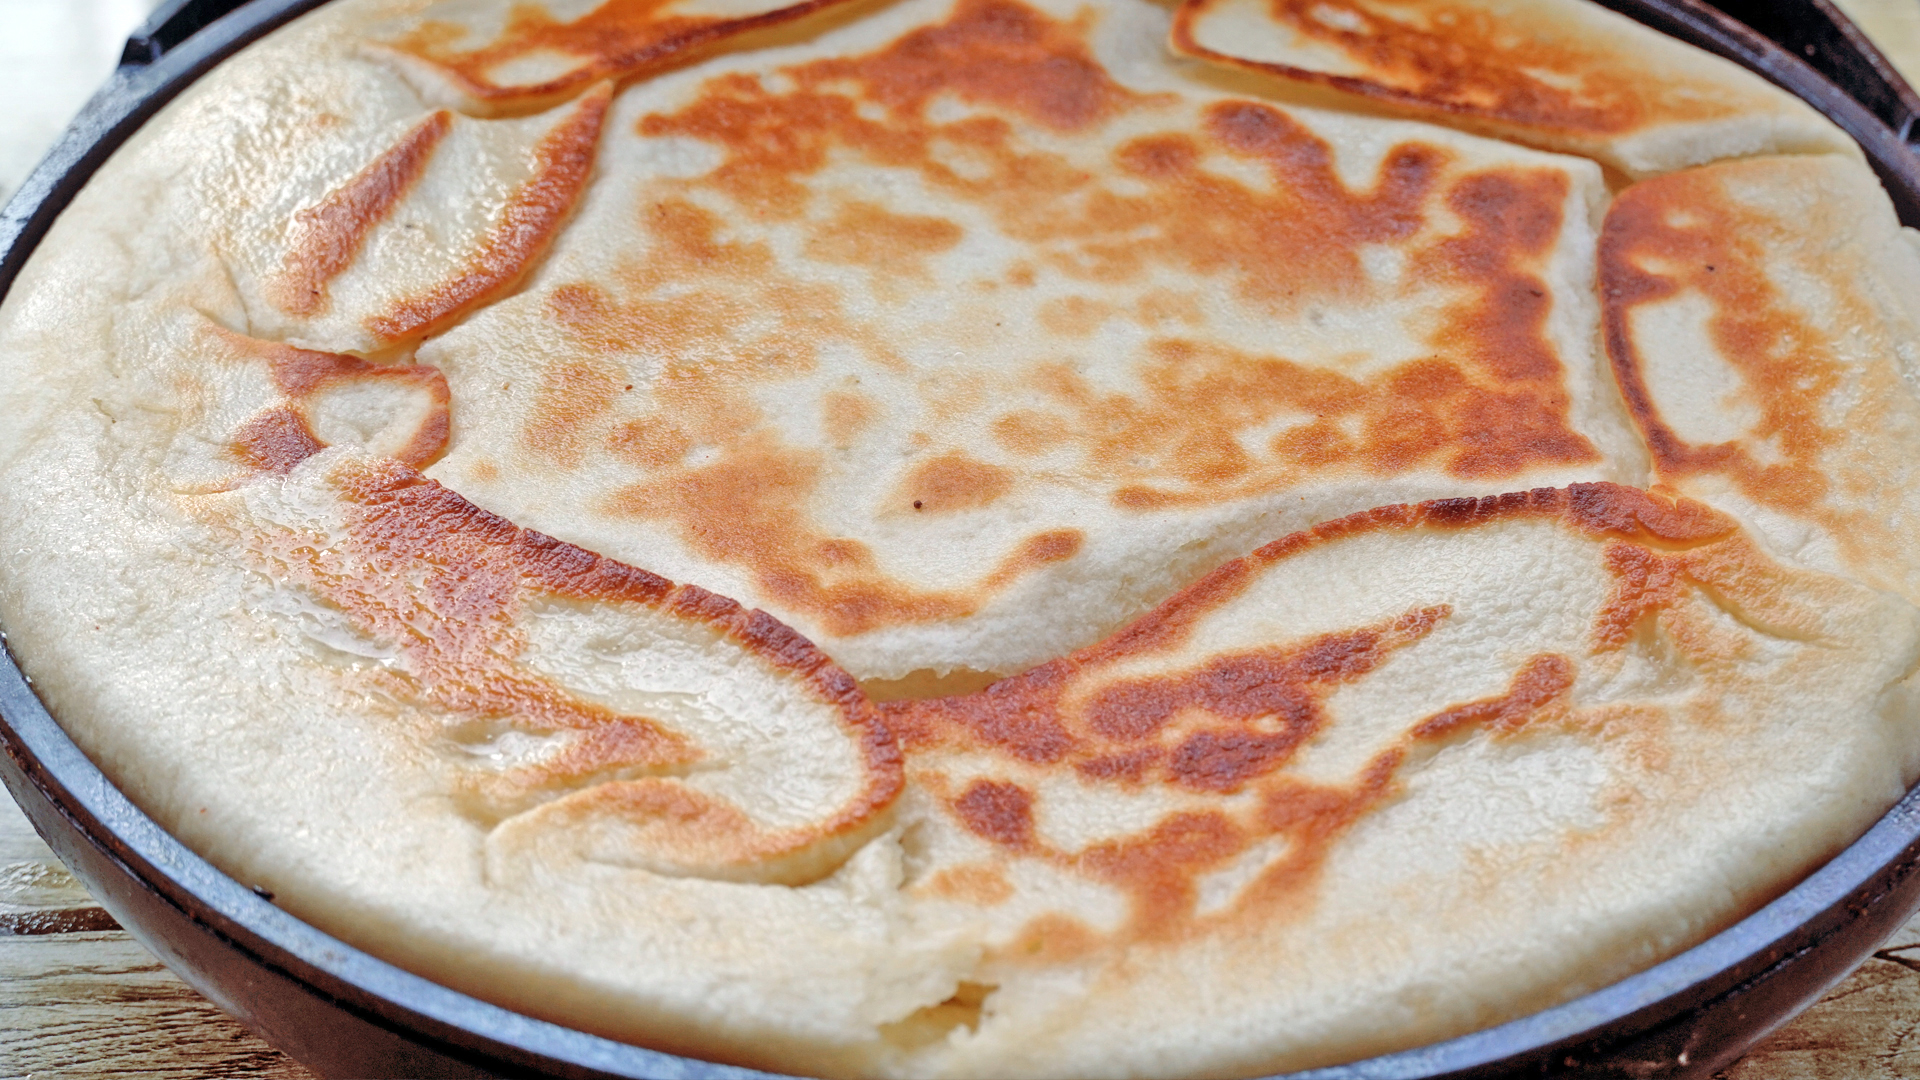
[931,1024]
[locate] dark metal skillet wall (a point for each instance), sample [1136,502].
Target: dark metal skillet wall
[1817,32]
[348,1014]
[1851,71]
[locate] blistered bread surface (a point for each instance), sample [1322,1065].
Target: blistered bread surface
[981,537]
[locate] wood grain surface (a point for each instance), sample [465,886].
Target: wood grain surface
[81,998]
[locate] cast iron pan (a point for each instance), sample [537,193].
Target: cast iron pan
[345,1013]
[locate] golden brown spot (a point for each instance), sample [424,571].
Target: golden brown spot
[708,334]
[993,53]
[485,472]
[1158,868]
[1646,582]
[1730,573]
[650,444]
[996,52]
[528,223]
[275,441]
[1128,766]
[1520,420]
[1002,813]
[1160,157]
[1055,545]
[1064,384]
[846,414]
[763,491]
[329,234]
[983,885]
[572,394]
[1311,817]
[1028,432]
[1166,306]
[954,481]
[1074,316]
[1543,679]
[1050,939]
[866,235]
[843,552]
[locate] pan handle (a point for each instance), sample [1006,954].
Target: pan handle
[170,24]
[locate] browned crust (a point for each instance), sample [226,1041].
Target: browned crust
[1682,233]
[458,627]
[282,436]
[330,233]
[619,40]
[1229,725]
[532,217]
[1599,509]
[276,440]
[1486,397]
[403,510]
[459,636]
[1467,73]
[1541,680]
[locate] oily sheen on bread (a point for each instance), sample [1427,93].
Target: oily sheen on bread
[981,537]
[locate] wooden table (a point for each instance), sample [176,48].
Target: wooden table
[80,998]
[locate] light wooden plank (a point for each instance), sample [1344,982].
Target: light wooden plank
[1864,1029]
[37,895]
[31,879]
[84,1003]
[98,1004]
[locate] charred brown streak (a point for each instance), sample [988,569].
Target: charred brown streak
[1216,730]
[331,233]
[620,39]
[282,436]
[528,223]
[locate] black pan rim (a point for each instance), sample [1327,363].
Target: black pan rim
[41,760]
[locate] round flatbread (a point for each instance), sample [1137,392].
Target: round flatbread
[980,537]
